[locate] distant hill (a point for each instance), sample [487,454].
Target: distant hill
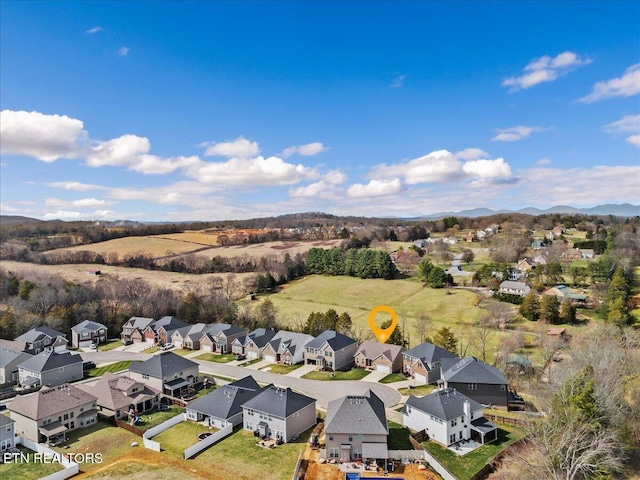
[14,219]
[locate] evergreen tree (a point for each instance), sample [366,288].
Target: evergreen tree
[567,312]
[396,336]
[444,338]
[529,308]
[549,309]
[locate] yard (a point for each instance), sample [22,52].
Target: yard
[28,470]
[150,420]
[212,357]
[393,377]
[398,437]
[110,345]
[282,369]
[464,467]
[353,374]
[419,391]
[181,436]
[113,367]
[250,362]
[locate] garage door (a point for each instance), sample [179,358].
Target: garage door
[151,340]
[383,368]
[207,348]
[269,358]
[252,355]
[420,379]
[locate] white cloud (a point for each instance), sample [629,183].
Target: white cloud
[240,147]
[306,150]
[46,137]
[123,51]
[398,81]
[625,86]
[75,186]
[543,161]
[471,154]
[545,69]
[335,177]
[94,30]
[487,169]
[319,189]
[512,134]
[73,215]
[627,124]
[375,188]
[81,203]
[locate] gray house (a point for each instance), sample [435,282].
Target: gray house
[50,368]
[220,336]
[223,406]
[39,338]
[356,428]
[87,332]
[279,413]
[133,329]
[331,350]
[253,344]
[9,361]
[509,287]
[7,433]
[477,380]
[424,362]
[286,347]
[166,372]
[382,357]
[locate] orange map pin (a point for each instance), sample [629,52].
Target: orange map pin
[383,334]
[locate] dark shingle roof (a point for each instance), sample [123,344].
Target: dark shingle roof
[139,322]
[373,349]
[285,340]
[472,370]
[261,337]
[169,323]
[429,353]
[7,356]
[163,365]
[38,333]
[87,326]
[49,360]
[226,401]
[360,414]
[279,402]
[335,340]
[4,420]
[445,404]
[48,402]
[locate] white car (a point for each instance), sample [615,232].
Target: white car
[93,346]
[167,346]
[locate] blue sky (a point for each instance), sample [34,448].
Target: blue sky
[221,110]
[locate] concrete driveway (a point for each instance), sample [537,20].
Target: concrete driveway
[375,376]
[302,371]
[258,365]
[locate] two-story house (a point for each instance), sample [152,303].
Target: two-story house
[133,329]
[220,336]
[44,337]
[166,372]
[356,428]
[279,413]
[189,336]
[382,357]
[7,433]
[51,412]
[447,417]
[161,330]
[477,380]
[9,361]
[509,287]
[87,332]
[424,362]
[286,347]
[331,350]
[253,344]
[50,368]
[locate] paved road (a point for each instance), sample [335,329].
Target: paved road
[456,267]
[111,356]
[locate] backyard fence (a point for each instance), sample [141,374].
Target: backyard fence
[70,468]
[207,442]
[296,471]
[515,422]
[131,428]
[152,432]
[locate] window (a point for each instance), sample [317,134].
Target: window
[360,437]
[452,438]
[330,437]
[249,411]
[333,452]
[145,376]
[71,415]
[351,437]
[503,388]
[72,425]
[471,415]
[249,426]
[408,409]
[454,422]
[9,428]
[473,386]
[357,454]
[61,369]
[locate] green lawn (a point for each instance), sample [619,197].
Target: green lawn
[353,374]
[110,345]
[181,351]
[151,350]
[28,471]
[250,362]
[419,391]
[464,467]
[393,377]
[398,437]
[212,357]
[150,420]
[114,367]
[283,369]
[181,436]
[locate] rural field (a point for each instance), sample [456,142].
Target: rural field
[268,249]
[155,246]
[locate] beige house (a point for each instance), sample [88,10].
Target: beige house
[51,412]
[382,357]
[330,350]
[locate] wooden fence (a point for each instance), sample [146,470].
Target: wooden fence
[515,422]
[131,428]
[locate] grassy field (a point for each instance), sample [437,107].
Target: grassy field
[419,391]
[181,436]
[114,367]
[258,250]
[393,377]
[28,471]
[155,246]
[398,437]
[110,345]
[212,357]
[250,362]
[283,369]
[353,374]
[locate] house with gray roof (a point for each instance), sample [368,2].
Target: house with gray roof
[331,350]
[7,433]
[286,347]
[279,413]
[161,330]
[253,344]
[478,380]
[166,372]
[50,368]
[509,287]
[189,336]
[43,337]
[87,332]
[381,357]
[133,329]
[219,337]
[424,362]
[447,416]
[356,428]
[51,412]
[223,406]
[9,361]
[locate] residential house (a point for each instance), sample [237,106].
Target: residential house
[447,416]
[478,380]
[526,265]
[133,329]
[7,433]
[117,395]
[9,361]
[424,362]
[87,332]
[166,372]
[252,344]
[51,412]
[510,287]
[587,253]
[356,428]
[331,350]
[481,234]
[286,347]
[558,230]
[471,237]
[219,338]
[279,413]
[223,406]
[541,258]
[537,244]
[558,332]
[161,331]
[572,254]
[562,293]
[50,368]
[189,336]
[14,345]
[382,357]
[43,337]
[450,240]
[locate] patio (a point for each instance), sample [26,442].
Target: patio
[464,446]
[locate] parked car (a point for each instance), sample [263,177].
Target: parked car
[93,346]
[88,365]
[239,356]
[167,346]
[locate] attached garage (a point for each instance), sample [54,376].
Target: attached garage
[420,379]
[252,355]
[150,340]
[269,358]
[83,344]
[383,368]
[207,348]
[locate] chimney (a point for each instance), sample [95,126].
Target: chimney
[466,421]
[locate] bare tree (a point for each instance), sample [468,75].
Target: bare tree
[422,324]
[483,334]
